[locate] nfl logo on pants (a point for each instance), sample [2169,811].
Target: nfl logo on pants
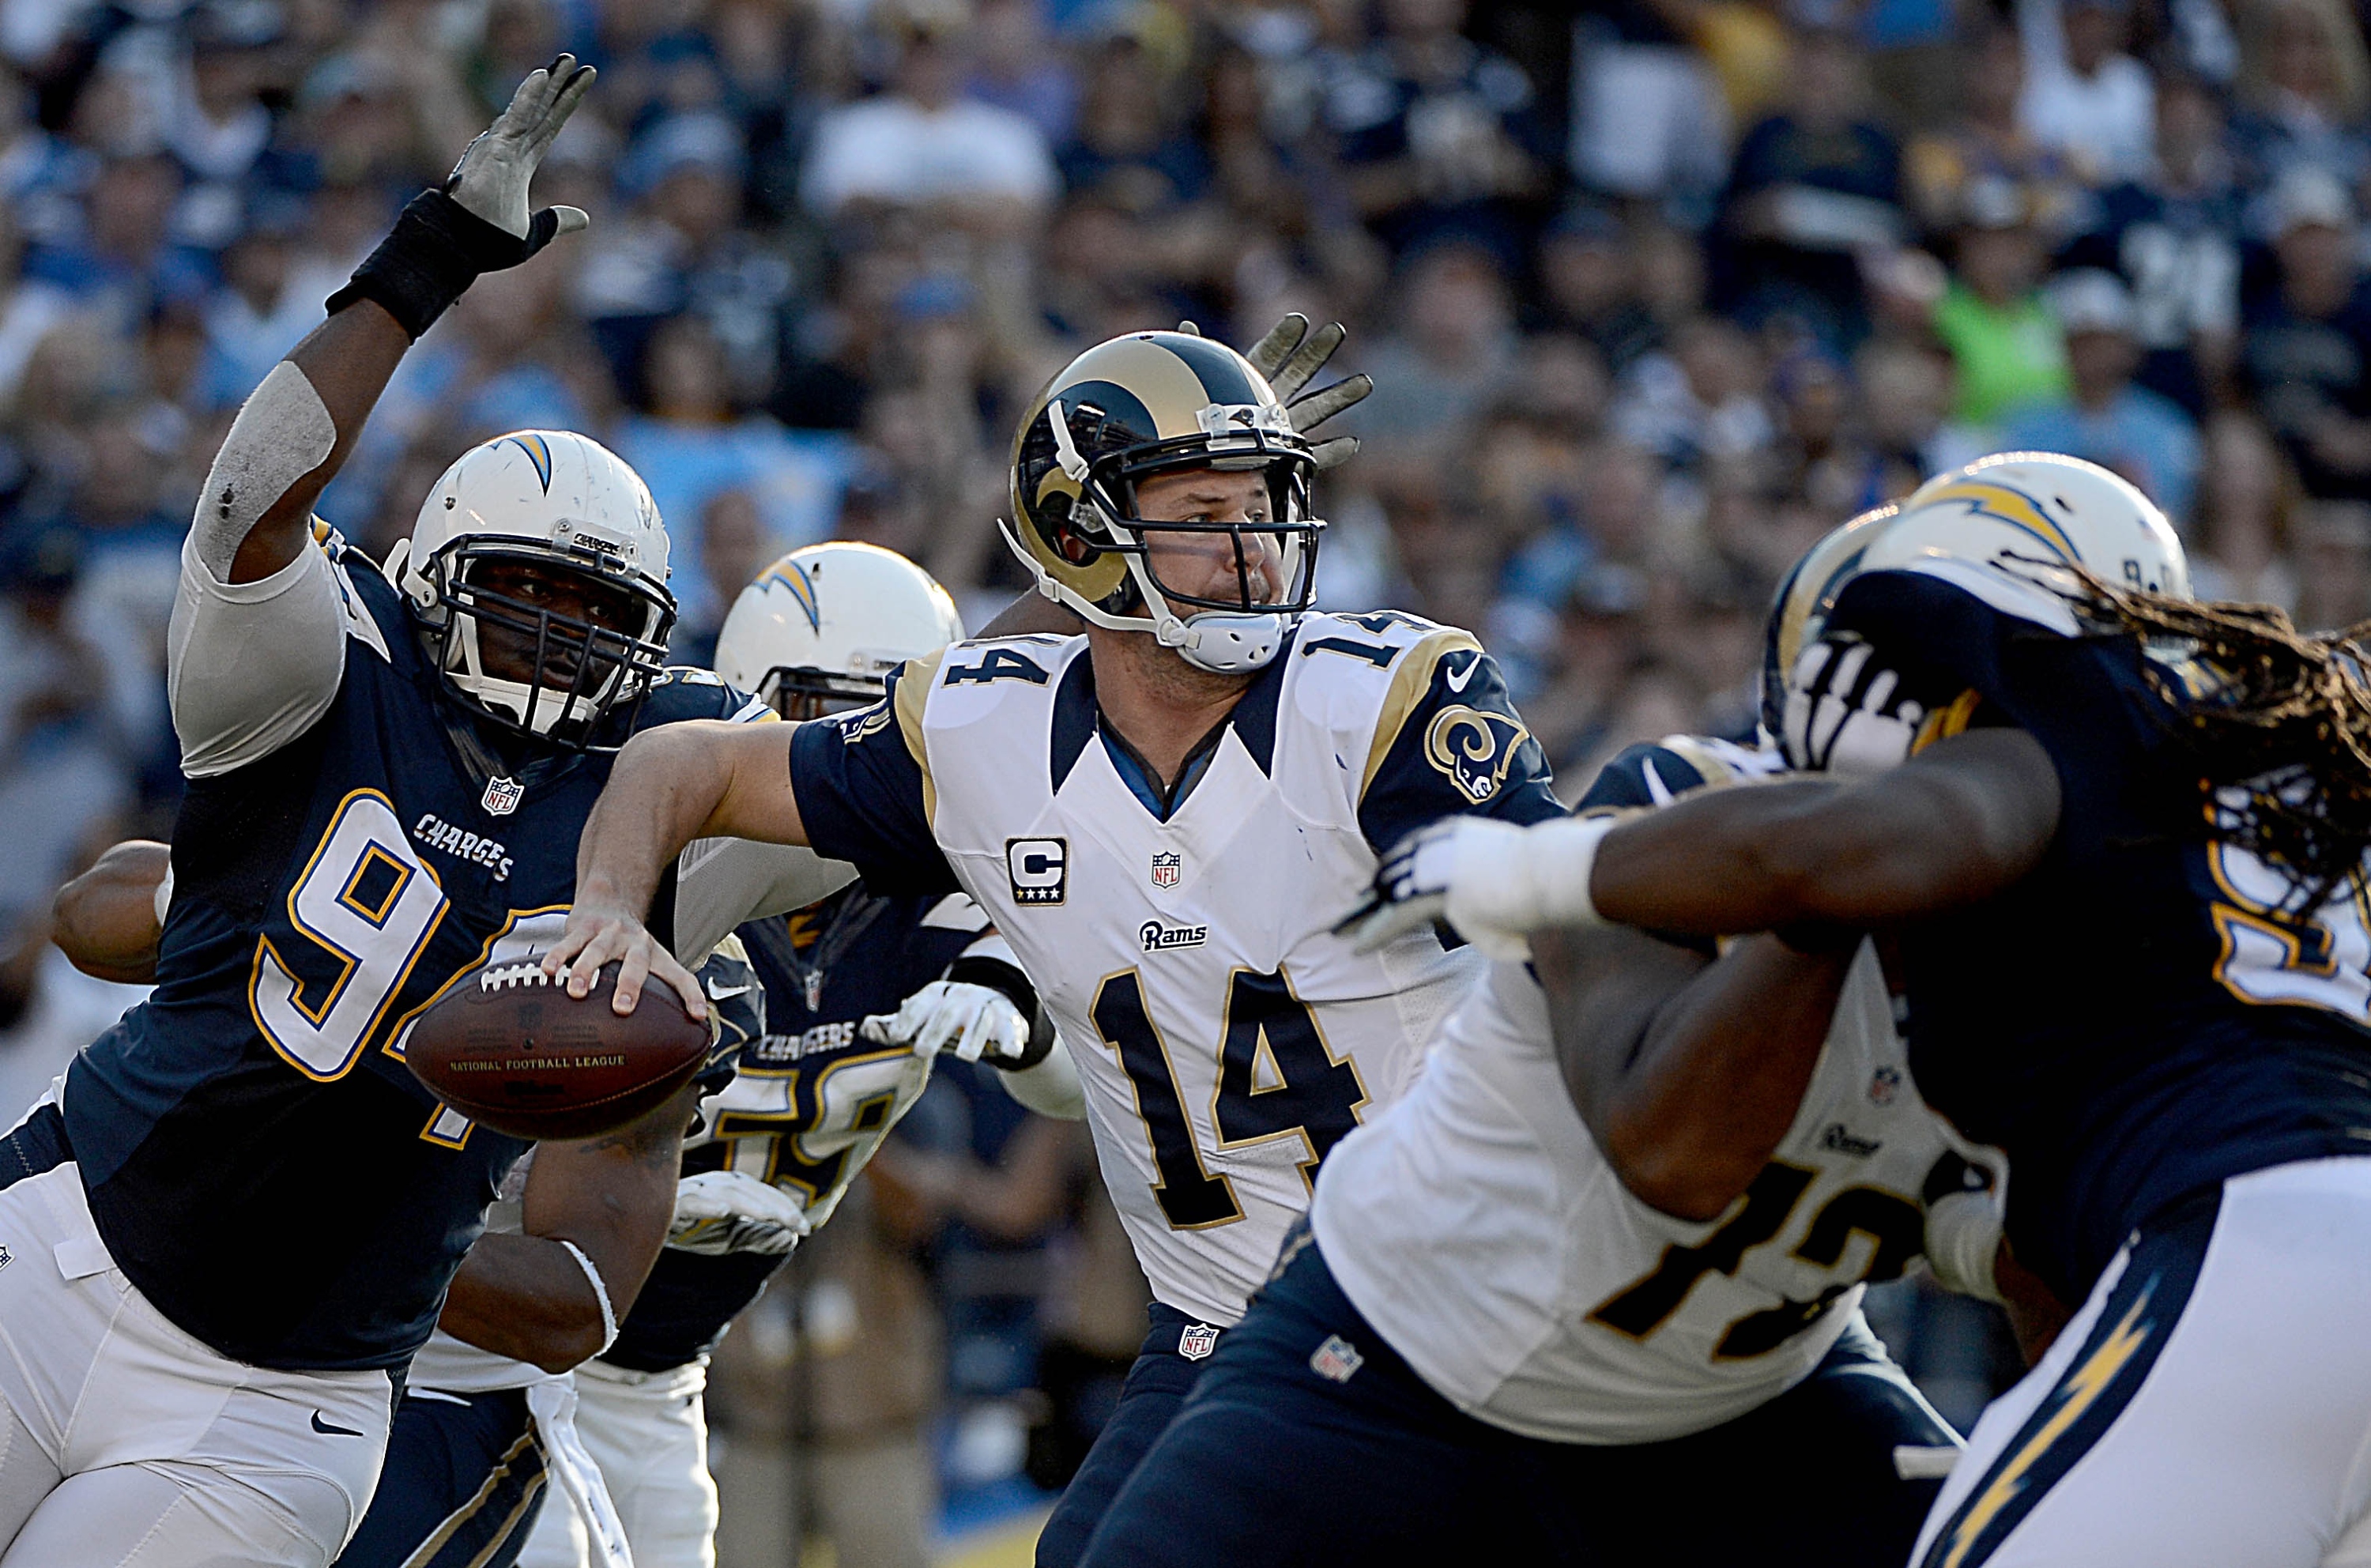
[1166,870]
[1198,1341]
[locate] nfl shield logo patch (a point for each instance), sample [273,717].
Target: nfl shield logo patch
[1166,870]
[502,796]
[1198,1341]
[1336,1359]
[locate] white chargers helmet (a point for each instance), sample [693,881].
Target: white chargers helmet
[2027,511]
[563,502]
[822,628]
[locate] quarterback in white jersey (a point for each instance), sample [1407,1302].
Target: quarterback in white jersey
[1498,1349]
[1160,816]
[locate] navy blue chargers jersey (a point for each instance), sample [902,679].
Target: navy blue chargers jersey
[812,1101]
[2139,1018]
[258,1158]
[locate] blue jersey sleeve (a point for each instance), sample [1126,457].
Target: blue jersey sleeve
[678,693]
[1461,747]
[1641,776]
[737,1001]
[863,788]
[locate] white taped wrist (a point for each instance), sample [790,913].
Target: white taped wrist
[1562,856]
[600,1294]
[1517,882]
[165,896]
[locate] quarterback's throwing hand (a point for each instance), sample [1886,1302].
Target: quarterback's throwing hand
[598,933]
[1469,871]
[974,1021]
[726,1211]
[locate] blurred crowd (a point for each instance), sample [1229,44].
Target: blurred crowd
[1654,292]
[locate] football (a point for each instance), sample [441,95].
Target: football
[511,1049]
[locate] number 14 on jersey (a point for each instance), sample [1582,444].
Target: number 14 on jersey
[1276,1079]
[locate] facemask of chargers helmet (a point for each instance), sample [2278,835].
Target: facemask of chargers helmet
[1155,403]
[820,630]
[568,507]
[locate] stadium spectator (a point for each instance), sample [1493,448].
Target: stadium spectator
[2173,235]
[1435,132]
[1813,188]
[1988,139]
[2144,435]
[2084,96]
[2304,90]
[2307,343]
[696,440]
[922,144]
[2005,343]
[2239,543]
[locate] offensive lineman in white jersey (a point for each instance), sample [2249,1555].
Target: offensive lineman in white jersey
[1589,1294]
[1159,815]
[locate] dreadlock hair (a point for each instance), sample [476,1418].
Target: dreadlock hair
[2278,722]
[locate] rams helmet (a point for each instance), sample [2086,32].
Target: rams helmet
[1151,403]
[564,503]
[821,628]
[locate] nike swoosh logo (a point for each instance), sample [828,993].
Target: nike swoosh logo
[1656,791]
[726,993]
[320,1425]
[1457,679]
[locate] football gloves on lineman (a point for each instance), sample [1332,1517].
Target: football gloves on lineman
[479,220]
[1848,713]
[974,1022]
[718,1212]
[491,177]
[1491,882]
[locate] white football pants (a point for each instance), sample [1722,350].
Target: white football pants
[125,1442]
[2209,1407]
[648,1431]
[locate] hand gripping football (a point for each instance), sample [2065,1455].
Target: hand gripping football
[511,1048]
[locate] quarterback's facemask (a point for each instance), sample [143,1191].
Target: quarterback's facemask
[1150,404]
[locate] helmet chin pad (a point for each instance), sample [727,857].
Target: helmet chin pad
[1225,642]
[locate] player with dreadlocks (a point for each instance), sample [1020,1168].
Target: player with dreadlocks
[2119,839]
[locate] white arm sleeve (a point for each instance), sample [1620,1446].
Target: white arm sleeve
[250,665]
[1051,1088]
[720,883]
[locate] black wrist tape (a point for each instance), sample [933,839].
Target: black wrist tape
[433,253]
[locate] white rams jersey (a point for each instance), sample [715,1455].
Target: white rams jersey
[1225,1039]
[1479,1227]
